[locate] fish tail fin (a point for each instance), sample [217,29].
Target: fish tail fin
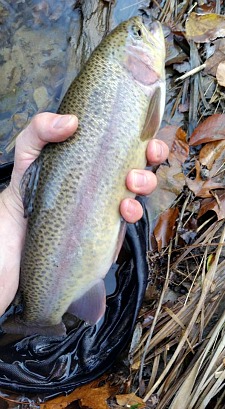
[91,306]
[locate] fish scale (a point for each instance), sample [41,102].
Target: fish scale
[74,229]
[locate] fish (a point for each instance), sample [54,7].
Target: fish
[72,192]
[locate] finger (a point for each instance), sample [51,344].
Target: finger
[44,128]
[157,152]
[131,210]
[141,182]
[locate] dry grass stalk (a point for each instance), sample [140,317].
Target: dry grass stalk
[182,326]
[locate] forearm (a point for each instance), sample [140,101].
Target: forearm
[12,234]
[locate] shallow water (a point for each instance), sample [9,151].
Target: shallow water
[33,55]
[43,44]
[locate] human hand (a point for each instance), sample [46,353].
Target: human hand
[44,128]
[143,182]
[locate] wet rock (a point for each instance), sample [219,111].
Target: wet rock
[40,96]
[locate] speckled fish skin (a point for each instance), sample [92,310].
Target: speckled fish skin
[73,230]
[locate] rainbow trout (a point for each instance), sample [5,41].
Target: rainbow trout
[72,192]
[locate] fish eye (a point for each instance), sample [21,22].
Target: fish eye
[137,32]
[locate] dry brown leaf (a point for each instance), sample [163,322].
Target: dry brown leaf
[213,155]
[164,230]
[200,187]
[175,138]
[171,179]
[216,203]
[212,129]
[130,400]
[90,396]
[211,65]
[174,53]
[218,56]
[203,28]
[220,73]
[209,7]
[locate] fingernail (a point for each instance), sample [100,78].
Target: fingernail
[131,208]
[62,121]
[158,149]
[140,179]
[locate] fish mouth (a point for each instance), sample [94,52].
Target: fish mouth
[154,27]
[155,31]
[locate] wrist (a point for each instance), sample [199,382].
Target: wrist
[11,209]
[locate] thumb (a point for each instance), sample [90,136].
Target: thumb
[43,128]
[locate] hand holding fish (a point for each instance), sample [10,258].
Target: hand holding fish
[46,128]
[73,192]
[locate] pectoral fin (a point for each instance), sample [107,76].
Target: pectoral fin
[154,115]
[122,232]
[28,186]
[91,306]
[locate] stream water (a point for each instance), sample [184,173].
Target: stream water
[43,45]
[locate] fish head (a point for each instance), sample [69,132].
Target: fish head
[141,50]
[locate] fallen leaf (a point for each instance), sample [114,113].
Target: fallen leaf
[135,341]
[175,138]
[212,129]
[91,396]
[200,187]
[211,65]
[183,67]
[130,401]
[216,204]
[220,73]
[203,28]
[218,56]
[213,154]
[174,53]
[208,7]
[171,179]
[165,228]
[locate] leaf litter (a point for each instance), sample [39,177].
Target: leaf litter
[177,359]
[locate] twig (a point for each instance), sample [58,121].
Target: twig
[181,218]
[156,314]
[191,72]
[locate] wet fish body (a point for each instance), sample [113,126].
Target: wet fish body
[74,229]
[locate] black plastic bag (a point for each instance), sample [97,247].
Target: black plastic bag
[46,367]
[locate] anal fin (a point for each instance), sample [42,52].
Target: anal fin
[91,306]
[15,325]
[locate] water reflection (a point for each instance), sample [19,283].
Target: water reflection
[123,10]
[33,57]
[43,46]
